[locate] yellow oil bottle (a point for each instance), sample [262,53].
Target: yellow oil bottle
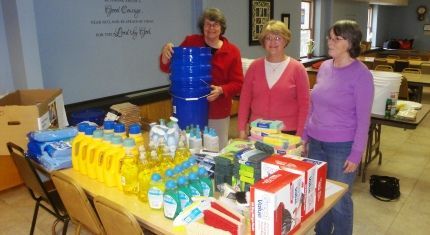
[91,161]
[76,143]
[129,168]
[112,159]
[100,155]
[82,153]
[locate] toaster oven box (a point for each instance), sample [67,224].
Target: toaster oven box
[275,204]
[306,169]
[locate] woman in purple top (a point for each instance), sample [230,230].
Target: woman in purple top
[338,122]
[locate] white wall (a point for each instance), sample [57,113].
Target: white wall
[237,14]
[6,84]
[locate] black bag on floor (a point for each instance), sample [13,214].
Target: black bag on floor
[384,188]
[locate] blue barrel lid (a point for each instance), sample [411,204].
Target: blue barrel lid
[134,128]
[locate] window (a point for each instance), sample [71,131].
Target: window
[306,25]
[369,23]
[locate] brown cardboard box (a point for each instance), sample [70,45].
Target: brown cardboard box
[21,112]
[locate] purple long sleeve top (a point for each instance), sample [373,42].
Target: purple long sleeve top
[341,102]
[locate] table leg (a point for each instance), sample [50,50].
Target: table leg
[373,148]
[419,94]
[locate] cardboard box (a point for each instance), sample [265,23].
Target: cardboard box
[320,181]
[275,204]
[306,169]
[28,110]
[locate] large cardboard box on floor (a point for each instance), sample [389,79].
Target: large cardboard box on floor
[28,110]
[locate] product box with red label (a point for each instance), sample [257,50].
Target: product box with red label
[320,181]
[306,169]
[275,204]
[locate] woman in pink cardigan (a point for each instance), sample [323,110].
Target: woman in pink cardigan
[276,87]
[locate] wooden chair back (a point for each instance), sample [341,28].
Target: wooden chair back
[383,67]
[77,204]
[425,68]
[399,65]
[115,218]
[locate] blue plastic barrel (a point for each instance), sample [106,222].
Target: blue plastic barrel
[190,84]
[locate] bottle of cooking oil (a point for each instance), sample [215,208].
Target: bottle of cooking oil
[129,169]
[76,143]
[135,132]
[144,177]
[82,153]
[91,161]
[112,160]
[100,155]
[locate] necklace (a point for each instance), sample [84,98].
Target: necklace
[274,66]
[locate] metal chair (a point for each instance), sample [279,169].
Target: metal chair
[116,219]
[77,204]
[395,57]
[384,67]
[379,61]
[414,58]
[43,193]
[411,70]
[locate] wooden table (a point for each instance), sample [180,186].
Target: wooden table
[412,63]
[419,81]
[373,149]
[155,221]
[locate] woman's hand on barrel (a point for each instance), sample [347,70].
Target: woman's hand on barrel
[166,53]
[215,93]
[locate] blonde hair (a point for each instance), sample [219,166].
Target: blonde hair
[275,27]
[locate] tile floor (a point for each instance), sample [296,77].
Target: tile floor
[406,155]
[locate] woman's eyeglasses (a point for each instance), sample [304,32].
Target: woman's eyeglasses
[214,25]
[273,38]
[335,39]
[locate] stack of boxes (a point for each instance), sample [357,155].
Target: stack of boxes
[247,167]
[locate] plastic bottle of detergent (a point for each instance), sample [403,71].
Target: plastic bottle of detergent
[111,160]
[135,132]
[184,192]
[82,153]
[172,204]
[194,184]
[76,143]
[119,129]
[156,192]
[108,126]
[100,155]
[194,166]
[91,161]
[206,182]
[169,174]
[129,169]
[144,177]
